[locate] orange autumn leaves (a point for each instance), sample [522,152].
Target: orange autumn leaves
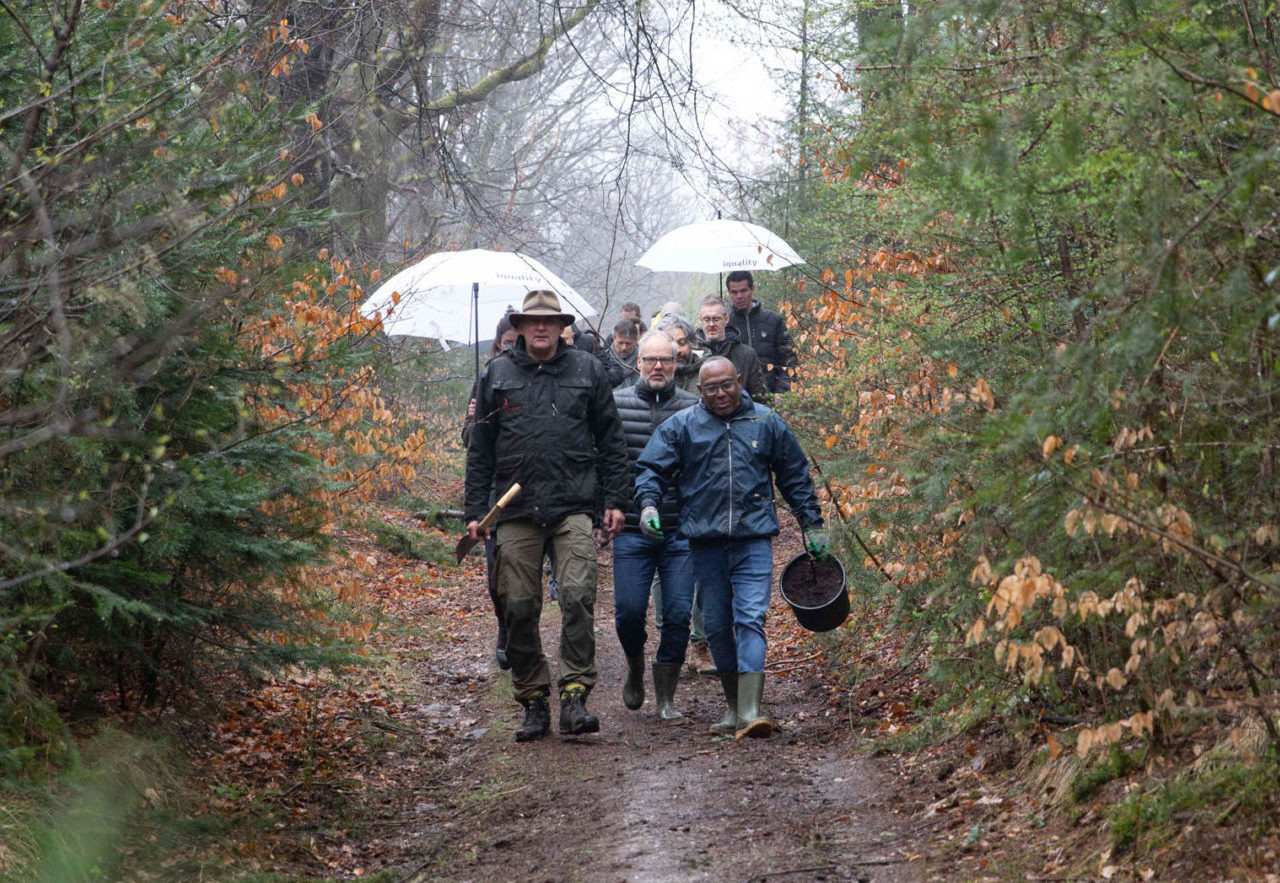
[371,447]
[864,381]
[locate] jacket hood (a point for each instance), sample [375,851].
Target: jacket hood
[730,334]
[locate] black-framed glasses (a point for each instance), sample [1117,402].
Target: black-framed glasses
[711,389]
[658,360]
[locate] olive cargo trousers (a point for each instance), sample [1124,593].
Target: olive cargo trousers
[519,556]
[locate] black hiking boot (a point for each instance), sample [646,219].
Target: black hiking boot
[537,719]
[574,717]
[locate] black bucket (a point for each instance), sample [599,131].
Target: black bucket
[815,590]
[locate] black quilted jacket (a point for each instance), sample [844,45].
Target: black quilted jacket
[642,409]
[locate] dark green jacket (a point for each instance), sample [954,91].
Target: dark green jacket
[544,424]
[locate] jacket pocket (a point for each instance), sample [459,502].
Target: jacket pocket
[508,394]
[572,397]
[579,478]
[507,470]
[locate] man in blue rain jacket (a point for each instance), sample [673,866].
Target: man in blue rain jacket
[724,456]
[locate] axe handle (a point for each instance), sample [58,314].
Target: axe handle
[498,507]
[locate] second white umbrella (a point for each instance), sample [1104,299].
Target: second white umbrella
[719,246]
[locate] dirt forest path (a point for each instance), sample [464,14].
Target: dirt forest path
[640,801]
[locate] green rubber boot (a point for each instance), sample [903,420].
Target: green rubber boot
[633,686]
[665,677]
[751,718]
[729,723]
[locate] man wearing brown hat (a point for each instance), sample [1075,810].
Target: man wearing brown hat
[545,418]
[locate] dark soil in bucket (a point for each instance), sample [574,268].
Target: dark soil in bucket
[814,583]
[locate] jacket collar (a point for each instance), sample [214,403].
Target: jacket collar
[522,358]
[649,394]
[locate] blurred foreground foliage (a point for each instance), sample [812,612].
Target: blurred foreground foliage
[185,405]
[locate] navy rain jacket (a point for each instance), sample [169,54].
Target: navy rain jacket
[724,469]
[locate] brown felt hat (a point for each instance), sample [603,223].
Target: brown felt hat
[541,305]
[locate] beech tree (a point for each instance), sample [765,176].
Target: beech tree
[1046,355]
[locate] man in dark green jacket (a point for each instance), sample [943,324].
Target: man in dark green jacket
[545,418]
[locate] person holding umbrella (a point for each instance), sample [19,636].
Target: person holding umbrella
[724,456]
[763,330]
[545,418]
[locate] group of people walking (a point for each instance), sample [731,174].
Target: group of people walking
[675,464]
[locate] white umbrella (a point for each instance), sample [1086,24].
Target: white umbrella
[451,295]
[719,246]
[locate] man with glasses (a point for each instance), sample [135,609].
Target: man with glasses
[545,418]
[642,407]
[721,340]
[689,361]
[724,457]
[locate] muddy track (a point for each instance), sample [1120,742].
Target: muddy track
[642,801]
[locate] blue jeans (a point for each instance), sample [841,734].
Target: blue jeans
[735,579]
[635,558]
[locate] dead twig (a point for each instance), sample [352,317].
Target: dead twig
[812,868]
[778,664]
[876,861]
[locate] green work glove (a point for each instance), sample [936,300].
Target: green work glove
[651,523]
[818,543]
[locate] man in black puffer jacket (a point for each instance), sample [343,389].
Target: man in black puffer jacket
[763,330]
[545,418]
[642,407]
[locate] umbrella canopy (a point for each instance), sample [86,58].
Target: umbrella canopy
[459,295]
[719,246]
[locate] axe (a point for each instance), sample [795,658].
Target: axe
[466,543]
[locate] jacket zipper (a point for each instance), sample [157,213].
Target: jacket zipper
[746,320]
[728,435]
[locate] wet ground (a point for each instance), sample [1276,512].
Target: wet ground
[643,801]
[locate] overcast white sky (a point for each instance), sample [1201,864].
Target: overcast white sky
[733,62]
